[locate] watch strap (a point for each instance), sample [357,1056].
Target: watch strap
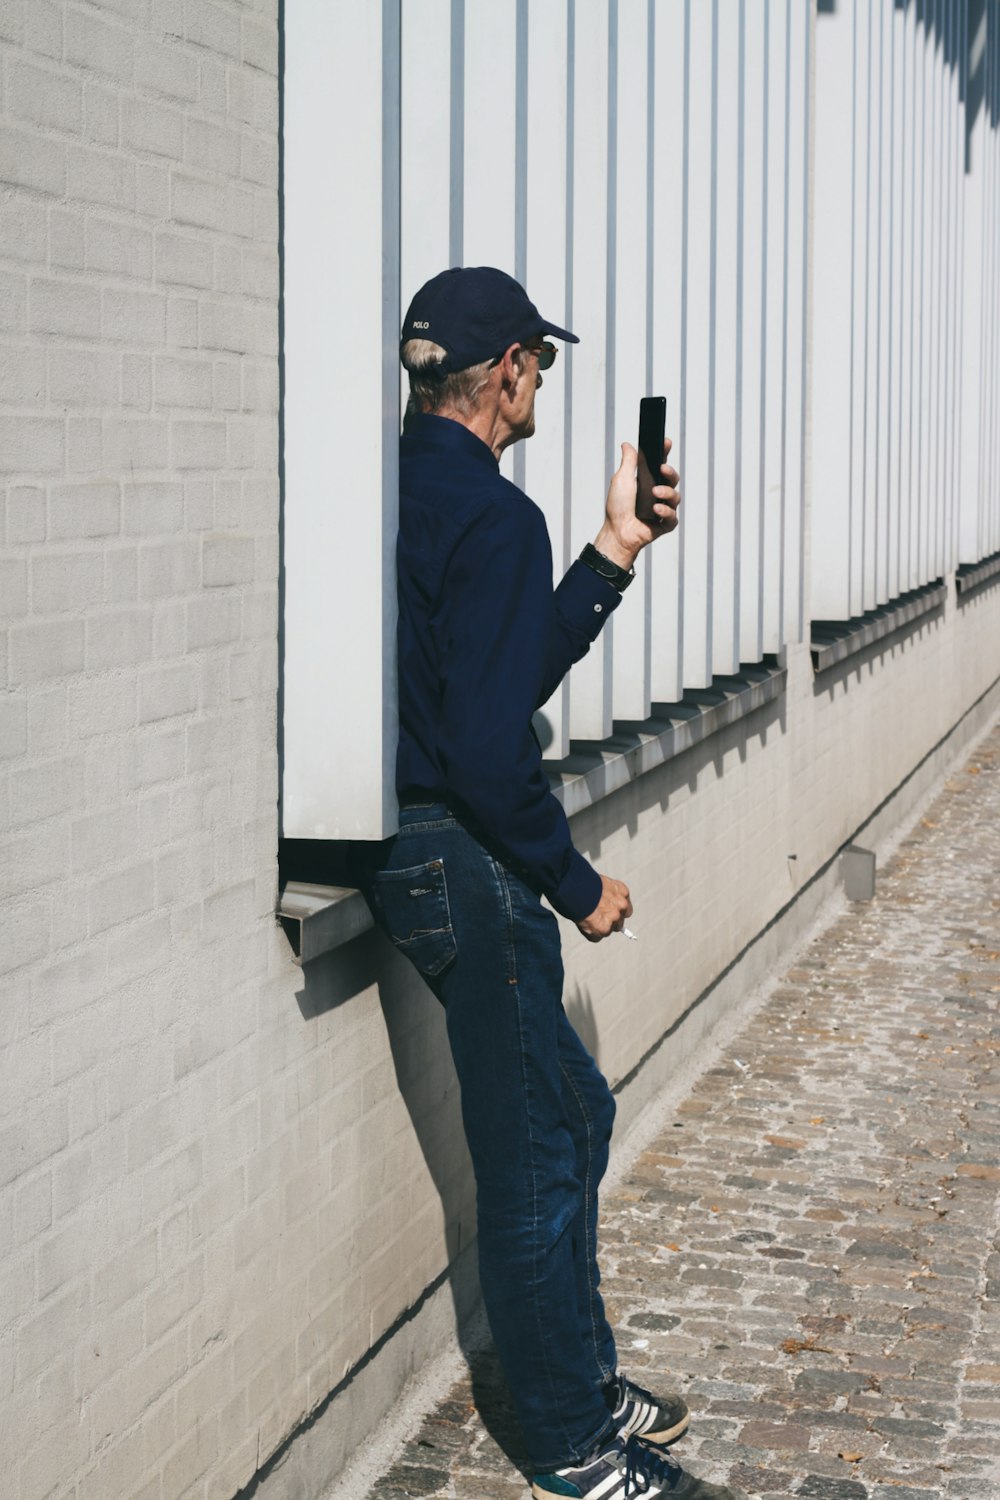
[619,578]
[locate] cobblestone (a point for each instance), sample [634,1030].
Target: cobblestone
[810,1250]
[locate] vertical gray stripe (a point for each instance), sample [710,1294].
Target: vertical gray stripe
[456,162]
[570,210]
[878,302]
[804,351]
[610,311]
[940,333]
[993,479]
[765,94]
[950,284]
[963,42]
[713,277]
[851,507]
[900,272]
[988,168]
[520,180]
[650,186]
[521,145]
[960,269]
[989,305]
[984,166]
[992,537]
[612,240]
[682,422]
[392,80]
[922,486]
[891,276]
[782,635]
[741,151]
[911,488]
[984,290]
[866,352]
[647,583]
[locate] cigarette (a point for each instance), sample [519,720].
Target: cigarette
[627,931]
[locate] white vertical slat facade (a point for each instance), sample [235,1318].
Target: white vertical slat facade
[651,186]
[906,276]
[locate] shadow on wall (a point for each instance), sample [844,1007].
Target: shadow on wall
[583,1019]
[426,1081]
[418,1043]
[865,665]
[626,807]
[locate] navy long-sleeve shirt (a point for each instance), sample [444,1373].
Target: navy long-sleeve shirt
[484,640]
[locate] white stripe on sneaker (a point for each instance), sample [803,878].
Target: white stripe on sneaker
[642,1418]
[609,1487]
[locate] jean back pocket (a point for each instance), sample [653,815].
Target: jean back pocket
[413,905]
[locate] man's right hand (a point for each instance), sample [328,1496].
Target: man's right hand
[610,913]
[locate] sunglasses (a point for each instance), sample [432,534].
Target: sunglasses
[545,353]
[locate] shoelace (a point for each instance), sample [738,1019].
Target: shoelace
[645,1462]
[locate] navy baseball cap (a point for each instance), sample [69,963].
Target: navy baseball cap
[475,313]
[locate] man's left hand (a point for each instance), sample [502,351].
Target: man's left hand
[623,535]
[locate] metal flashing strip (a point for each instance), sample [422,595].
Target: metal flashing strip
[832,641]
[595,769]
[970,575]
[319,918]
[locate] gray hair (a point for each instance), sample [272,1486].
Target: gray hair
[431,389]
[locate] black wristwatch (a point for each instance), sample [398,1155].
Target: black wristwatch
[620,578]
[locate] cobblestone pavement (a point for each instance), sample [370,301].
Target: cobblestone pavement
[809,1250]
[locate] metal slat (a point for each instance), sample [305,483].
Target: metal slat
[795,376]
[587,278]
[666,585]
[750,438]
[697,395]
[726,346]
[776,269]
[632,333]
[340,63]
[544,37]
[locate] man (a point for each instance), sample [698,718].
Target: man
[483,642]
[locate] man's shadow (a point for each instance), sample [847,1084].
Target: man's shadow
[425,1076]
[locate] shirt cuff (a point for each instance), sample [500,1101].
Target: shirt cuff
[586,598]
[580,890]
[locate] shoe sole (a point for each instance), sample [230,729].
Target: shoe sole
[669,1434]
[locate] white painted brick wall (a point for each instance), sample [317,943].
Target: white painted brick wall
[138,465]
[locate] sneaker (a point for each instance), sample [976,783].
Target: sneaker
[638,1413]
[619,1468]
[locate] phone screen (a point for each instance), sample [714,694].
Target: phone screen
[652,428]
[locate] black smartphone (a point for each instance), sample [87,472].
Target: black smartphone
[652,429]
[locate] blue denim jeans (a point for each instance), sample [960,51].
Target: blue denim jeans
[537,1115]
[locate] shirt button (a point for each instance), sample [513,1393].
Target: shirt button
[598,609]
